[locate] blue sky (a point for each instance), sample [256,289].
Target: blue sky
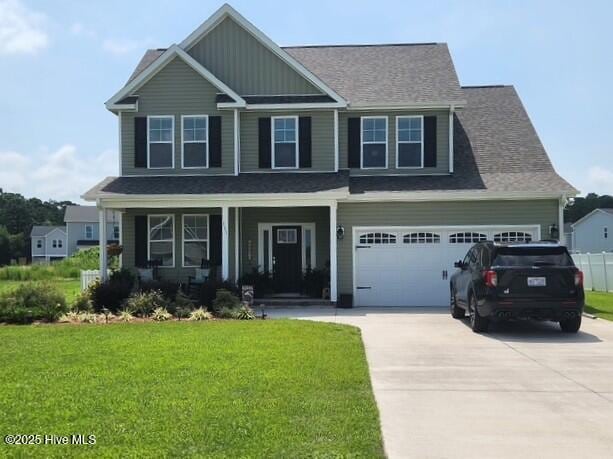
[60,60]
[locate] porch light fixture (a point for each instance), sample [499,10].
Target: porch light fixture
[554,231]
[340,232]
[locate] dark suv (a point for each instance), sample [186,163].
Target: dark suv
[536,280]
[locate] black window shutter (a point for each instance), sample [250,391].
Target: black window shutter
[264,143]
[304,138]
[353,142]
[140,241]
[214,141]
[429,141]
[140,141]
[215,240]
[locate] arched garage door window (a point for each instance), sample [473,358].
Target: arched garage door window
[422,238]
[466,237]
[378,238]
[513,236]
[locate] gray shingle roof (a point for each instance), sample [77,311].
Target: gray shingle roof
[85,214]
[384,74]
[43,230]
[150,56]
[495,149]
[245,183]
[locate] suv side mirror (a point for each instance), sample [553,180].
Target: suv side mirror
[459,264]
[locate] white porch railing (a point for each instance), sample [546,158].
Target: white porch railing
[89,276]
[597,270]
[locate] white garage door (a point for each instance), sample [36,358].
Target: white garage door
[411,266]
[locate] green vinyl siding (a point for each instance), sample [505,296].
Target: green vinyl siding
[251,216]
[177,90]
[442,142]
[178,273]
[237,58]
[541,212]
[322,139]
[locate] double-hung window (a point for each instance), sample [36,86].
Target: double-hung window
[284,142]
[409,142]
[54,244]
[195,240]
[116,232]
[160,142]
[89,232]
[374,142]
[195,141]
[161,240]
[39,243]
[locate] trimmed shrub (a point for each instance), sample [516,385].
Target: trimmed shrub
[169,289]
[208,292]
[314,281]
[225,300]
[144,303]
[82,303]
[123,276]
[262,282]
[109,295]
[181,306]
[30,302]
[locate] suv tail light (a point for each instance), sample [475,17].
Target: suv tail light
[579,279]
[490,278]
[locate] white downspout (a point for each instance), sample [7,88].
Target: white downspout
[451,111]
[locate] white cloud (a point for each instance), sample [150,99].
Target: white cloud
[600,180]
[120,47]
[21,29]
[64,174]
[80,30]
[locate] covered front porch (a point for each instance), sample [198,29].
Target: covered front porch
[283,237]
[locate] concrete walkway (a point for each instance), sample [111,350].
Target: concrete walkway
[523,390]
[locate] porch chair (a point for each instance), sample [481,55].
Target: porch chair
[149,273]
[201,275]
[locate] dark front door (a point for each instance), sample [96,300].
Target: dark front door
[287,258]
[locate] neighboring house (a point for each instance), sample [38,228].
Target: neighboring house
[594,232]
[369,160]
[48,243]
[83,227]
[568,235]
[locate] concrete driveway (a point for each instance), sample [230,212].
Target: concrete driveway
[522,390]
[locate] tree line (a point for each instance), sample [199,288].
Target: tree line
[18,215]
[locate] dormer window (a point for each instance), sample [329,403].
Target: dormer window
[195,141]
[284,142]
[409,142]
[374,142]
[160,142]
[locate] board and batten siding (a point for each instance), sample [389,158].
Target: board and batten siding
[541,212]
[322,139]
[178,273]
[238,59]
[251,216]
[177,90]
[442,142]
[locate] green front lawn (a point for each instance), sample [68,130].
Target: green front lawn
[275,388]
[600,304]
[69,287]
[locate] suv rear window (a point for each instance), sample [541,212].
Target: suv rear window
[532,256]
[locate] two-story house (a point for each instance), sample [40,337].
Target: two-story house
[48,243]
[370,160]
[83,227]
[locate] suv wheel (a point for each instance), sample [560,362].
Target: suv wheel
[571,325]
[456,311]
[478,323]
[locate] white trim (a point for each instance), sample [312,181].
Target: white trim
[227,11]
[236,142]
[159,64]
[418,196]
[172,141]
[172,216]
[336,144]
[225,246]
[362,118]
[443,105]
[303,226]
[119,147]
[451,112]
[296,141]
[561,235]
[102,243]
[236,245]
[297,106]
[398,141]
[121,239]
[208,238]
[357,229]
[183,141]
[333,254]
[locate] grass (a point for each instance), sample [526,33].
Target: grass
[69,287]
[600,304]
[275,388]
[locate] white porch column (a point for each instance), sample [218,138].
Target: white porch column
[333,264]
[225,246]
[236,244]
[561,235]
[102,240]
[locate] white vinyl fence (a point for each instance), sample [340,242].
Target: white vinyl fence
[87,277]
[597,270]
